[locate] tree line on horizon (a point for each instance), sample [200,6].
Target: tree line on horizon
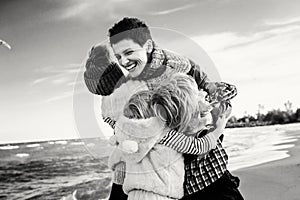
[275,116]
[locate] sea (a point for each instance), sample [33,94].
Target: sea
[61,169]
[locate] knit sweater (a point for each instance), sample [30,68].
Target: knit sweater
[152,167]
[113,105]
[102,73]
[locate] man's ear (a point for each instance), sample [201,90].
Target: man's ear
[149,45]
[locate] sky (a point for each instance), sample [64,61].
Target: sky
[254,45]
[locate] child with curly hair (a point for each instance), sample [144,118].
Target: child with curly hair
[153,170]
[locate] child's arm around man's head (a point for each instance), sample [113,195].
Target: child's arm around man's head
[102,71]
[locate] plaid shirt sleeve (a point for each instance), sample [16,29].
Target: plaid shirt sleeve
[199,76]
[221,97]
[189,144]
[223,92]
[217,91]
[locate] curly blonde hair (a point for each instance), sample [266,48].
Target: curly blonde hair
[176,101]
[139,106]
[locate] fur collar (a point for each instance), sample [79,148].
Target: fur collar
[146,132]
[113,105]
[162,59]
[140,129]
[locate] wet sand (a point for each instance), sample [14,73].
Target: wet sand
[276,180]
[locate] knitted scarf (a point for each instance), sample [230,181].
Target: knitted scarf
[162,65]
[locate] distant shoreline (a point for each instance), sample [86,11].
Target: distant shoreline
[76,139]
[254,124]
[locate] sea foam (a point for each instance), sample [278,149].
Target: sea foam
[21,155]
[9,147]
[33,145]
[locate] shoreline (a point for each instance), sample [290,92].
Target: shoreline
[276,180]
[243,145]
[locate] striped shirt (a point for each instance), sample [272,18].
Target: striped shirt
[182,143]
[110,122]
[189,144]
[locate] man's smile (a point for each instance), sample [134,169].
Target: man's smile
[130,66]
[131,56]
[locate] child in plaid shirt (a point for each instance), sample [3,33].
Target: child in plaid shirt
[148,116]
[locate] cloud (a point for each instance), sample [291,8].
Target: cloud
[264,65]
[55,79]
[58,75]
[74,10]
[67,94]
[68,69]
[280,22]
[91,10]
[39,80]
[226,40]
[77,9]
[58,82]
[59,97]
[173,10]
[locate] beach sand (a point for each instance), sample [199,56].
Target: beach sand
[276,180]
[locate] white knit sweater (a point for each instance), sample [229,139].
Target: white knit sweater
[152,168]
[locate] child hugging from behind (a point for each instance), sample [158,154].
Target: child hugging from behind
[144,117]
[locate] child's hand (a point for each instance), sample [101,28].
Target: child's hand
[113,140]
[221,122]
[221,109]
[211,87]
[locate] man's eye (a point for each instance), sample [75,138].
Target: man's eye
[118,57]
[128,53]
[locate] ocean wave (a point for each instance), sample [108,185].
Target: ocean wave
[21,155]
[33,145]
[88,189]
[9,147]
[252,146]
[90,145]
[77,143]
[61,142]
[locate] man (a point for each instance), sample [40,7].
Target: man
[135,50]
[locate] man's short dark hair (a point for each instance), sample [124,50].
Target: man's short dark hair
[130,28]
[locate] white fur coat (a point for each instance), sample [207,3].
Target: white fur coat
[149,166]
[113,105]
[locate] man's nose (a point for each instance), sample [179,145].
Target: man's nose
[123,61]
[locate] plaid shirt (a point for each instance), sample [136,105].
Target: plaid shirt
[201,172]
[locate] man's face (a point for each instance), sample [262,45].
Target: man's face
[131,56]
